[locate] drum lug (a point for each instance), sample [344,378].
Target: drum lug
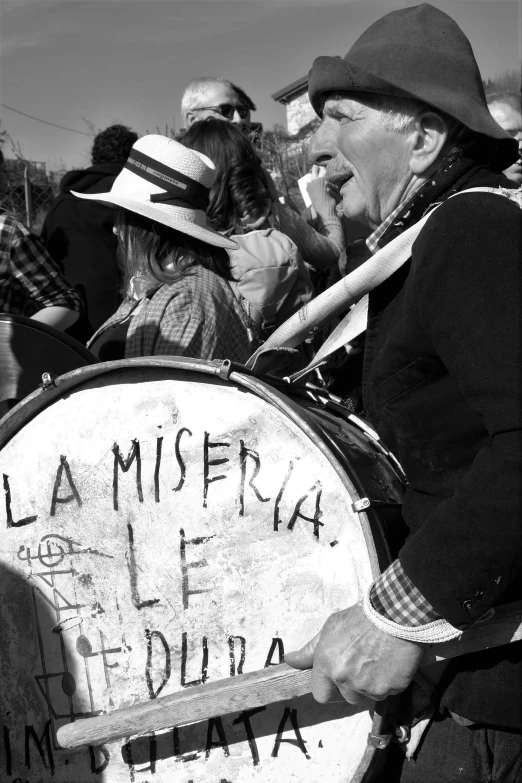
[380,741]
[48,381]
[225,369]
[364,503]
[361,505]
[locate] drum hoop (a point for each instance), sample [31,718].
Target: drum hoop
[42,398]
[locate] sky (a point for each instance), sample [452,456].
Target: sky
[86,64]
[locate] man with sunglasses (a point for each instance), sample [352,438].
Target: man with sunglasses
[216,97]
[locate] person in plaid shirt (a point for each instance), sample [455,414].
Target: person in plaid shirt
[179,300]
[31,282]
[405,127]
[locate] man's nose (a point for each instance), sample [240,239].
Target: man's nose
[236,119]
[320,150]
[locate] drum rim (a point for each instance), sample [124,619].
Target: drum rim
[43,397]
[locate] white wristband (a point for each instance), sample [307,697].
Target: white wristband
[430,633]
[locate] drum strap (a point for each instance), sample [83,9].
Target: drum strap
[351,290]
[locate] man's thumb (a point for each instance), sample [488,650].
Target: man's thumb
[303,658]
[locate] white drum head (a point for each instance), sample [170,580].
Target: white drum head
[164,528]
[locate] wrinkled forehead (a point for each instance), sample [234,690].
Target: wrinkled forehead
[217,93]
[351,102]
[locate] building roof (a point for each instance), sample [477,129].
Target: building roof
[293,90]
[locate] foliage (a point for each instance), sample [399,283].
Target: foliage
[286,157]
[509,81]
[23,173]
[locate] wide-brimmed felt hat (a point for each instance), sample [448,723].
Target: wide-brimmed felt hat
[417,52]
[168,183]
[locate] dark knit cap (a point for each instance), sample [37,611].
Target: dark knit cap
[417,52]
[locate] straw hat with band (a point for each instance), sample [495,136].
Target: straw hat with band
[417,52]
[168,183]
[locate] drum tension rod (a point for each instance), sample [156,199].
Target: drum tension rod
[48,381]
[364,503]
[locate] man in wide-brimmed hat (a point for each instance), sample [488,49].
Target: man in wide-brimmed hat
[405,127]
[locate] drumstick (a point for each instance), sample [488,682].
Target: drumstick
[265,686]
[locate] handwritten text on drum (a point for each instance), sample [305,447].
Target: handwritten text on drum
[240,460]
[223,477]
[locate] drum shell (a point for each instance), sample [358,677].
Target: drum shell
[28,349]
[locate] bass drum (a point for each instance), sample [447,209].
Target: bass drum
[169,522]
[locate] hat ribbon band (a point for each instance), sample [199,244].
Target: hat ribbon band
[180,189]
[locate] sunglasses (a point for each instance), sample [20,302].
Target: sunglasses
[227,110]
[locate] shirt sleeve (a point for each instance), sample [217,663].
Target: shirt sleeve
[38,274]
[394,596]
[320,250]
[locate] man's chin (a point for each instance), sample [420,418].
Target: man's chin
[354,211]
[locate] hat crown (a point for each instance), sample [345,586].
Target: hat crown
[174,155]
[421,36]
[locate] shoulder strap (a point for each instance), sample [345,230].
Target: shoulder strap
[348,291]
[343,294]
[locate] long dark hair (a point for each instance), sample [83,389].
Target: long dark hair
[238,190]
[153,249]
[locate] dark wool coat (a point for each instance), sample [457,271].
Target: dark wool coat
[78,234]
[442,384]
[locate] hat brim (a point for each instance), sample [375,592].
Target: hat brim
[333,74]
[187,221]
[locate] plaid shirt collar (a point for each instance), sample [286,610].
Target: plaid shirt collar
[372,241]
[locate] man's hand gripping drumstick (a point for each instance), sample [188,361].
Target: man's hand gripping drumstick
[352,658]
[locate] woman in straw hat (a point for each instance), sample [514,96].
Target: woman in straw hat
[178,295]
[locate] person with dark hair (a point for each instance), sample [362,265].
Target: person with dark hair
[31,282]
[506,109]
[79,235]
[223,144]
[178,295]
[407,136]
[112,145]
[270,277]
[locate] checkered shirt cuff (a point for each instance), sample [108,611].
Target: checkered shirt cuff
[395,597]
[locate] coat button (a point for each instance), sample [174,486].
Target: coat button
[467,605]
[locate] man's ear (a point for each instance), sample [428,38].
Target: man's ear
[427,140]
[190,118]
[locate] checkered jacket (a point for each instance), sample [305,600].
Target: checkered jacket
[29,278]
[196,316]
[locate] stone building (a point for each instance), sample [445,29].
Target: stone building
[299,112]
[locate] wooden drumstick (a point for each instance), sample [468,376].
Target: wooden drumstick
[265,686]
